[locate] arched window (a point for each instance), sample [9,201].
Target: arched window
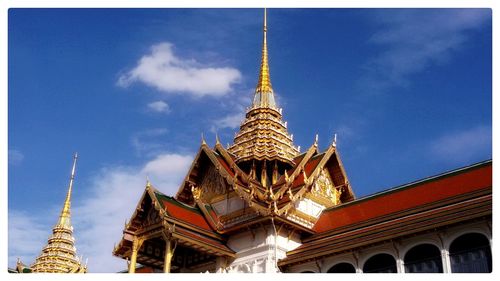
[424,258]
[470,253]
[380,263]
[342,267]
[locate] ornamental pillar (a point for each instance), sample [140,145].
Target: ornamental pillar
[169,253]
[136,245]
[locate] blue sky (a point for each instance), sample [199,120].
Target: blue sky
[407,91]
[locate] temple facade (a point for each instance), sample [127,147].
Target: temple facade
[262,205]
[59,255]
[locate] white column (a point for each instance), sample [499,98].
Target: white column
[445,258]
[355,255]
[400,265]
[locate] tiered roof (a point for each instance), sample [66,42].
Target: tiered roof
[263,134]
[199,216]
[278,199]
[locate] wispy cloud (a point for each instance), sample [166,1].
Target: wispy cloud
[159,107]
[99,217]
[27,236]
[113,195]
[231,121]
[15,157]
[163,70]
[473,144]
[234,106]
[414,39]
[146,142]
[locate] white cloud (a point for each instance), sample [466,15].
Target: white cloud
[159,107]
[163,70]
[235,107]
[231,121]
[464,146]
[414,39]
[114,193]
[146,142]
[15,157]
[98,218]
[27,236]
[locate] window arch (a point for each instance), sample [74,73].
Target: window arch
[423,258]
[470,252]
[342,267]
[380,263]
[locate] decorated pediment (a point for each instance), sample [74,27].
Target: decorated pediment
[324,190]
[211,185]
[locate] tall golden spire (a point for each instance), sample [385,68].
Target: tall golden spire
[65,217]
[59,256]
[264,84]
[263,134]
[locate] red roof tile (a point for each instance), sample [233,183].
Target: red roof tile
[224,164]
[407,197]
[182,212]
[308,168]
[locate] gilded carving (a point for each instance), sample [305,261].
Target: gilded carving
[196,192]
[324,187]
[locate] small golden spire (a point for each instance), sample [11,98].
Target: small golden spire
[203,139]
[59,256]
[64,218]
[217,141]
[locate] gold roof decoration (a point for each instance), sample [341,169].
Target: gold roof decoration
[59,256]
[264,85]
[263,135]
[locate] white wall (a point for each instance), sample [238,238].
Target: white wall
[398,248]
[259,249]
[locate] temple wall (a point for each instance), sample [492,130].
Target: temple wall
[397,248]
[257,251]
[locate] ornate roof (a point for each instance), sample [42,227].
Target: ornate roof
[59,256]
[263,134]
[215,174]
[427,204]
[157,214]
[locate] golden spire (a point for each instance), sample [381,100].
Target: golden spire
[59,256]
[263,134]
[65,217]
[264,84]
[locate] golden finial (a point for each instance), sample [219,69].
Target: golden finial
[217,141]
[64,218]
[264,84]
[203,139]
[148,183]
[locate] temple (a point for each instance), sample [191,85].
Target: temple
[261,205]
[59,255]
